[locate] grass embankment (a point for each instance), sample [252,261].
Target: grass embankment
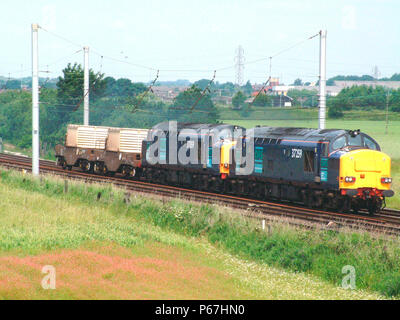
[106,247]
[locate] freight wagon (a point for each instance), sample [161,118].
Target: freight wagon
[102,150]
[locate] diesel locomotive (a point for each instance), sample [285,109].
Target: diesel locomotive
[332,169]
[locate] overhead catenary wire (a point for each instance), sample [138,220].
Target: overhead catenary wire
[204,92]
[61,37]
[150,88]
[181,70]
[168,69]
[259,92]
[73,43]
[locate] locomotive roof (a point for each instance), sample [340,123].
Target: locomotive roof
[305,134]
[164,126]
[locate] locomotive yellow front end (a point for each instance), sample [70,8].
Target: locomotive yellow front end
[364,175]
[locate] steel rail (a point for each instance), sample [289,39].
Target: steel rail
[387,222]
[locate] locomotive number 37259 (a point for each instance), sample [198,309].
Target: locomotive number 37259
[297,153]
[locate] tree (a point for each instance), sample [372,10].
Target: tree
[364,77]
[335,112]
[203,83]
[227,88]
[185,109]
[303,97]
[13,84]
[123,87]
[16,113]
[70,85]
[298,82]
[262,100]
[395,77]
[248,88]
[394,100]
[238,100]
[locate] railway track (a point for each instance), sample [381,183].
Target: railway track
[387,222]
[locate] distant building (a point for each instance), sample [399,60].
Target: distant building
[167,93]
[339,85]
[282,100]
[347,84]
[222,100]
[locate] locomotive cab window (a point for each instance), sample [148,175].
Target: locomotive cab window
[324,149]
[370,144]
[199,150]
[355,141]
[309,157]
[339,143]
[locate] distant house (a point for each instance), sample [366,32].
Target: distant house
[278,99]
[222,100]
[167,93]
[282,100]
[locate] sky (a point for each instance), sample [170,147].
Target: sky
[190,39]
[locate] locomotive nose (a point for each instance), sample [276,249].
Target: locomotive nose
[364,168]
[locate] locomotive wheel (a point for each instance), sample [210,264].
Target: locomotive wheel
[371,207]
[355,206]
[344,205]
[307,198]
[128,172]
[374,206]
[325,204]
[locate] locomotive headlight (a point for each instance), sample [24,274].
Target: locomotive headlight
[226,165]
[350,179]
[386,180]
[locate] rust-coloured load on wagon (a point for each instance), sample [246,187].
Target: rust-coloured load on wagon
[102,149]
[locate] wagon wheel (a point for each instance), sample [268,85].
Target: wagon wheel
[64,164]
[97,168]
[86,166]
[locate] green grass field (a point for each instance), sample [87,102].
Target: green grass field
[301,114]
[108,247]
